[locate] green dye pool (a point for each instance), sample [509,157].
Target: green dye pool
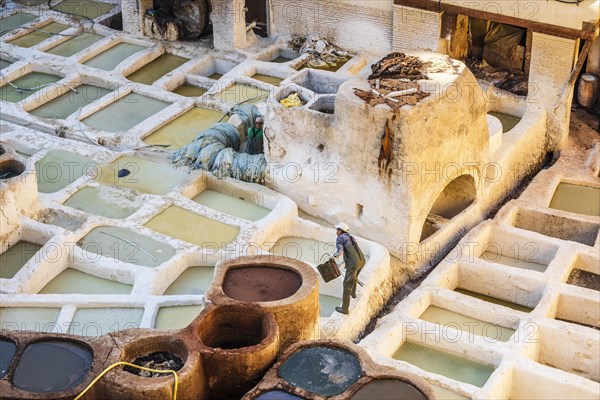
[26,86]
[113,56]
[69,102]
[74,45]
[156,68]
[125,113]
[438,362]
[36,37]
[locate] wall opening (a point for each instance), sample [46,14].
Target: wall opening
[256,17]
[455,198]
[495,52]
[177,19]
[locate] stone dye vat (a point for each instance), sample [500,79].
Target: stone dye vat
[59,168]
[69,102]
[175,317]
[285,287]
[329,369]
[579,199]
[26,85]
[189,90]
[113,56]
[141,349]
[388,389]
[52,366]
[156,68]
[495,300]
[14,258]
[10,169]
[322,370]
[184,128]
[14,21]
[584,279]
[96,322]
[74,45]
[107,201]
[438,315]
[194,280]
[508,121]
[38,36]
[145,176]
[7,352]
[38,319]
[272,80]
[576,230]
[4,63]
[126,246]
[241,92]
[238,345]
[125,113]
[72,281]
[230,205]
[442,363]
[193,228]
[88,8]
[512,261]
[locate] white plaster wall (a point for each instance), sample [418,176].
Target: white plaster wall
[353,25]
[415,29]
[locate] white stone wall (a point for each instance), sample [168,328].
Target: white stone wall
[229,24]
[350,24]
[552,60]
[415,29]
[132,20]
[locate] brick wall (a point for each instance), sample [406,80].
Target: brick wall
[415,29]
[229,24]
[350,24]
[552,59]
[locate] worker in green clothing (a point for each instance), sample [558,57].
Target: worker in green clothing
[254,139]
[354,260]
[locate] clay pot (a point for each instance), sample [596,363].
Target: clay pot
[588,90]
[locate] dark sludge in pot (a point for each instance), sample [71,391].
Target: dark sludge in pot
[388,389]
[322,370]
[261,283]
[10,169]
[7,352]
[52,366]
[159,360]
[277,395]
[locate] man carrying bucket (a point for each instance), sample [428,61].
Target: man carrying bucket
[354,260]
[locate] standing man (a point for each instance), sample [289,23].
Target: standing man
[254,137]
[354,260]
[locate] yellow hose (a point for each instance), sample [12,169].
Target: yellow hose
[158,371]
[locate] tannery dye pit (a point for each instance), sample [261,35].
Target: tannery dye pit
[180,182]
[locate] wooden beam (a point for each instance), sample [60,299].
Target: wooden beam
[438,6]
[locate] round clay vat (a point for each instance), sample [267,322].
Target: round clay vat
[122,384]
[337,377]
[8,349]
[238,345]
[53,366]
[11,168]
[286,287]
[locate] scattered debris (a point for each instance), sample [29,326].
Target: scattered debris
[393,79]
[159,360]
[293,100]
[398,65]
[511,80]
[323,54]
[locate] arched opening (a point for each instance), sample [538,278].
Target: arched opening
[456,196]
